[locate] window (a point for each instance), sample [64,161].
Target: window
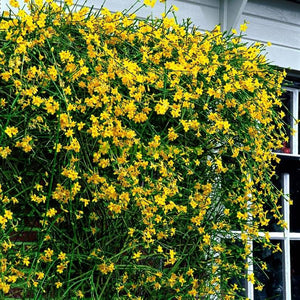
[282,278]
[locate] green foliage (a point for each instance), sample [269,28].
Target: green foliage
[130,152]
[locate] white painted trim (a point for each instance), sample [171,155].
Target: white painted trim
[288,155]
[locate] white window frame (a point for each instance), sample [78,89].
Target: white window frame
[286,236]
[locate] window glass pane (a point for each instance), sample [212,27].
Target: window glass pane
[287,119]
[295,269]
[241,283]
[295,197]
[235,259]
[272,225]
[298,131]
[272,278]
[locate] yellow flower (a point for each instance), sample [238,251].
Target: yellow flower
[3,222]
[12,278]
[172,135]
[62,256]
[47,237]
[8,214]
[11,130]
[137,255]
[193,292]
[67,90]
[243,27]
[150,2]
[51,105]
[116,208]
[157,285]
[6,75]
[40,275]
[66,56]
[190,272]
[60,268]
[24,143]
[52,72]
[80,125]
[39,3]
[251,278]
[131,231]
[79,294]
[14,3]
[4,152]
[206,239]
[51,212]
[26,261]
[48,252]
[105,269]
[69,2]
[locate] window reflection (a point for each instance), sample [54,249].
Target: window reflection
[273,223]
[287,119]
[235,246]
[272,278]
[295,197]
[295,269]
[298,126]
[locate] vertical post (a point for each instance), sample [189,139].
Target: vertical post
[286,241]
[223,14]
[294,125]
[230,12]
[250,270]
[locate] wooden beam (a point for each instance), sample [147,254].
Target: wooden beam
[230,13]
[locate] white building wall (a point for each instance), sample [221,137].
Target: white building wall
[275,21]
[278,22]
[203,13]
